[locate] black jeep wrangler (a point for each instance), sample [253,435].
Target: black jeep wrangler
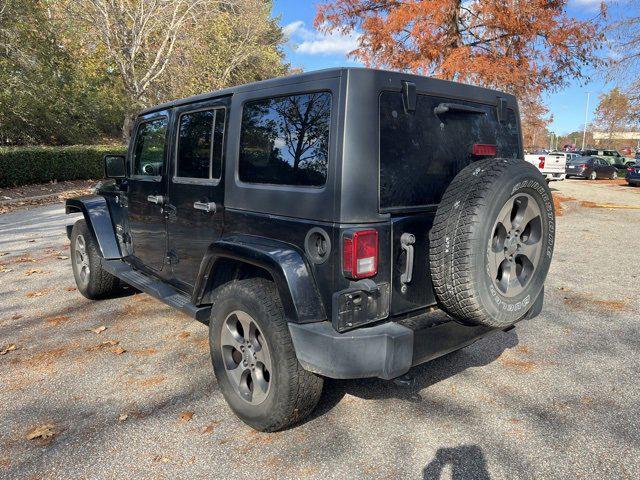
[312,221]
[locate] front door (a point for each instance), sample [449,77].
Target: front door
[196,188]
[147,191]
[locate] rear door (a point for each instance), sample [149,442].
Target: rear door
[196,188]
[420,153]
[147,191]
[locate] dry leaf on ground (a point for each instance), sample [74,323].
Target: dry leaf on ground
[9,348]
[16,316]
[31,241]
[99,329]
[48,430]
[31,272]
[117,351]
[185,416]
[123,417]
[71,289]
[211,427]
[62,257]
[105,344]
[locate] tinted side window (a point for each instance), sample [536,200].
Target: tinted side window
[148,154]
[285,140]
[194,144]
[200,144]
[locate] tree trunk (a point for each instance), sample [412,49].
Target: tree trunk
[127,125]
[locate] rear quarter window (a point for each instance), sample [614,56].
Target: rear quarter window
[285,140]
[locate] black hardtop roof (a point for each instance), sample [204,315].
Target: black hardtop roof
[307,77]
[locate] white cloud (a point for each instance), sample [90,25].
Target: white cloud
[313,42]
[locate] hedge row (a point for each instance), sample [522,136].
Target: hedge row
[26,165]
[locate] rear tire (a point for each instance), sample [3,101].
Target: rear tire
[492,242]
[614,175]
[92,280]
[593,176]
[248,331]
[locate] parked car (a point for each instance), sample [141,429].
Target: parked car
[313,220]
[612,157]
[591,168]
[633,175]
[552,165]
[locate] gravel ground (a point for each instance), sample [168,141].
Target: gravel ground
[558,397]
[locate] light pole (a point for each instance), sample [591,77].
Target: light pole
[586,117]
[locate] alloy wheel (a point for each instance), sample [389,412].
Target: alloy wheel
[81,260]
[246,357]
[514,251]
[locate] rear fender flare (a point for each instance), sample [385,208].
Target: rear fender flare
[300,297]
[96,213]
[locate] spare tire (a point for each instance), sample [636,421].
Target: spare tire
[492,241]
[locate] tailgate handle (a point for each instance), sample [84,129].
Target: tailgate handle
[406,242]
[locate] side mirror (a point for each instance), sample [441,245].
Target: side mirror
[114,166]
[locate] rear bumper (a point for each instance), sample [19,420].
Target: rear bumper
[633,181]
[554,176]
[387,350]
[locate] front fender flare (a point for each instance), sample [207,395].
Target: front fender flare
[96,213]
[300,297]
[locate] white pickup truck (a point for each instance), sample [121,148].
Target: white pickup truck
[552,165]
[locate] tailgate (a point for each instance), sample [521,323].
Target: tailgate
[421,152]
[554,163]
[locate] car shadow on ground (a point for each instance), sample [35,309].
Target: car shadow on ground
[412,386]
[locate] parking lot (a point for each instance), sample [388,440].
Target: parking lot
[124,388]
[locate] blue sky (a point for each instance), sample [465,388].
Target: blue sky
[312,50]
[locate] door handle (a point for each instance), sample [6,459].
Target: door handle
[157,199]
[206,206]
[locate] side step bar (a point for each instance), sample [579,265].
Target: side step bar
[156,288]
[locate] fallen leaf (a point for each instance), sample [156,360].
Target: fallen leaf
[62,257]
[31,241]
[17,316]
[211,427]
[71,289]
[159,458]
[4,269]
[123,417]
[99,329]
[117,351]
[9,348]
[31,272]
[48,430]
[57,320]
[185,416]
[37,293]
[3,254]
[183,334]
[105,344]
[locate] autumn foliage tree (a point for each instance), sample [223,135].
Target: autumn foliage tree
[615,113]
[524,47]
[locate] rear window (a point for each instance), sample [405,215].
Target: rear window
[285,140]
[421,152]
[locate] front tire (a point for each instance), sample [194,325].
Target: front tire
[614,175]
[92,280]
[254,359]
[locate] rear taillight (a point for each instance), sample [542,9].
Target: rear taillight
[360,254]
[630,169]
[541,164]
[484,150]
[582,165]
